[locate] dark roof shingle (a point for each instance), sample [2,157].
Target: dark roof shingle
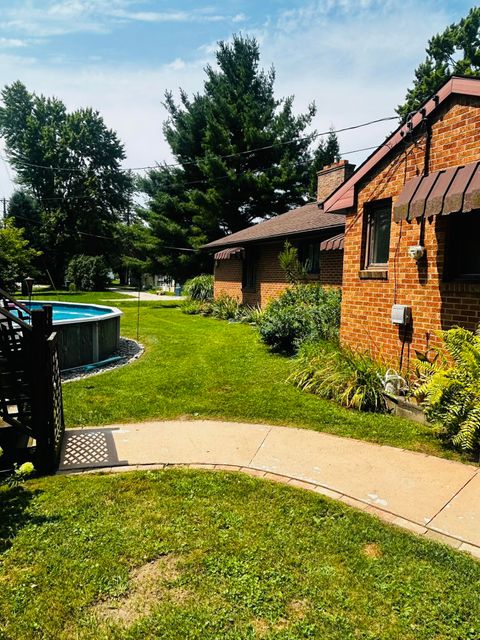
[301,220]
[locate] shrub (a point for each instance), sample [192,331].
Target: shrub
[192,307]
[199,288]
[338,373]
[225,308]
[449,387]
[18,475]
[88,273]
[301,313]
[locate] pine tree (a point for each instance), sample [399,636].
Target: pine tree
[221,185]
[455,51]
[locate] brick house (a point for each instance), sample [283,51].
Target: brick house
[412,229]
[246,262]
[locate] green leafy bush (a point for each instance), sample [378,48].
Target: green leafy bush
[302,313]
[449,387]
[199,288]
[192,307]
[338,373]
[19,474]
[17,258]
[88,273]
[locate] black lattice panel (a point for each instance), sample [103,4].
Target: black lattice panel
[15,401]
[58,423]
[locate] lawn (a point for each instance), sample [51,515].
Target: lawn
[198,555]
[196,367]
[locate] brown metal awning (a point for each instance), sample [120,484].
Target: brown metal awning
[333,244]
[440,193]
[227,254]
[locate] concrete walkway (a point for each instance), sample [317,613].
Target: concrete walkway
[144,295]
[433,497]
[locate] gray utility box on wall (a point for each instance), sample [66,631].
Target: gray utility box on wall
[401,314]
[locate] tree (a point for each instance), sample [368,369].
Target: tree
[70,163]
[328,151]
[16,257]
[455,51]
[221,185]
[290,264]
[25,213]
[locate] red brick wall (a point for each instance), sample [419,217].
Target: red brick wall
[331,177]
[270,277]
[228,278]
[366,306]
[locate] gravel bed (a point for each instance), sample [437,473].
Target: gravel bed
[128,350]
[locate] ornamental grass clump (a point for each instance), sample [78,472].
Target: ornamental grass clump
[338,373]
[304,312]
[224,308]
[194,307]
[448,387]
[199,288]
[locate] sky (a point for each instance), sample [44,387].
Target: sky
[354,58]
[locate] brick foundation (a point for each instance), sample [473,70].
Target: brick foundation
[435,304]
[270,277]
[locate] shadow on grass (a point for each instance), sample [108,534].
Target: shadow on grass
[14,514]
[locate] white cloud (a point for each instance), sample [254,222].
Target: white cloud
[239,17]
[356,68]
[128,99]
[168,16]
[12,43]
[47,19]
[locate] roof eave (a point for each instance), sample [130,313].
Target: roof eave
[273,237]
[344,197]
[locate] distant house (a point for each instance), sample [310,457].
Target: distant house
[412,239]
[246,262]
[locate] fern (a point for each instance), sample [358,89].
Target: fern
[449,387]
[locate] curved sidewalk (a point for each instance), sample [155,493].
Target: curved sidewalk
[428,495]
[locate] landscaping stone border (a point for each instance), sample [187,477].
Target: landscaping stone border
[129,350]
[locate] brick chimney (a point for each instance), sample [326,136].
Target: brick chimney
[331,177]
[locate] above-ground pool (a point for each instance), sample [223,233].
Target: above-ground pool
[87,333]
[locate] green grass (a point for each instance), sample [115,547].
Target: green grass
[96,297]
[200,367]
[236,559]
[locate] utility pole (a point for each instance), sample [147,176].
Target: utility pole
[4,208]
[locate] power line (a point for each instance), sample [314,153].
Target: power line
[191,182]
[223,157]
